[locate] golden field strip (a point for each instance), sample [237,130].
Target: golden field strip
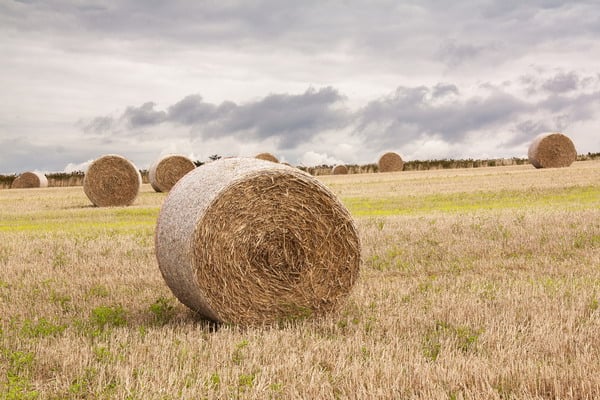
[475,284]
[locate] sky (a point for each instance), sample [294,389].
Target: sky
[312,82]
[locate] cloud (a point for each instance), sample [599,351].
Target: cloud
[454,53]
[192,110]
[145,115]
[99,125]
[446,80]
[75,167]
[415,118]
[288,118]
[291,119]
[313,158]
[411,112]
[562,83]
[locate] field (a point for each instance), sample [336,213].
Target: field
[475,284]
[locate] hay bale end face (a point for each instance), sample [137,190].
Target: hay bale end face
[168,170]
[390,162]
[267,157]
[551,150]
[112,180]
[250,242]
[339,170]
[28,180]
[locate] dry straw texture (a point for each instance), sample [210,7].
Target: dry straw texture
[167,170]
[249,242]
[29,180]
[339,170]
[267,157]
[112,180]
[552,150]
[390,162]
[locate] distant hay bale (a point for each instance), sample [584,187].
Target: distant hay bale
[339,170]
[167,170]
[28,180]
[249,242]
[551,150]
[267,157]
[390,162]
[112,180]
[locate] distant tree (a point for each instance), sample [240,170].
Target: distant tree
[214,157]
[198,163]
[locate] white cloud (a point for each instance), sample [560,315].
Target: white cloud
[312,158]
[72,167]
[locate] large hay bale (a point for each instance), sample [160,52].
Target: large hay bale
[551,150]
[390,162]
[28,180]
[112,180]
[267,157]
[339,170]
[167,170]
[249,242]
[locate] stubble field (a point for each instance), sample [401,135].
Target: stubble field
[475,284]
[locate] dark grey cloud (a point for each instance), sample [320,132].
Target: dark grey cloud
[406,115]
[145,115]
[454,53]
[193,110]
[98,125]
[413,111]
[442,90]
[562,82]
[290,119]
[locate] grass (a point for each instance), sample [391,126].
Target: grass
[578,198]
[474,284]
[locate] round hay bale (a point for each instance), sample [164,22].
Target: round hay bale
[28,180]
[339,170]
[167,170]
[112,180]
[250,242]
[267,157]
[390,162]
[551,150]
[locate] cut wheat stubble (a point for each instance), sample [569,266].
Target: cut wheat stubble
[249,242]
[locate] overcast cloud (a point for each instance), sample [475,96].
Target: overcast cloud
[312,82]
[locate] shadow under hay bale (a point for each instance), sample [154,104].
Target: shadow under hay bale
[339,170]
[249,242]
[267,157]
[390,162]
[112,180]
[551,150]
[168,170]
[29,180]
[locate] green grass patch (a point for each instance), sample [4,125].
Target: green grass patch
[123,220]
[572,197]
